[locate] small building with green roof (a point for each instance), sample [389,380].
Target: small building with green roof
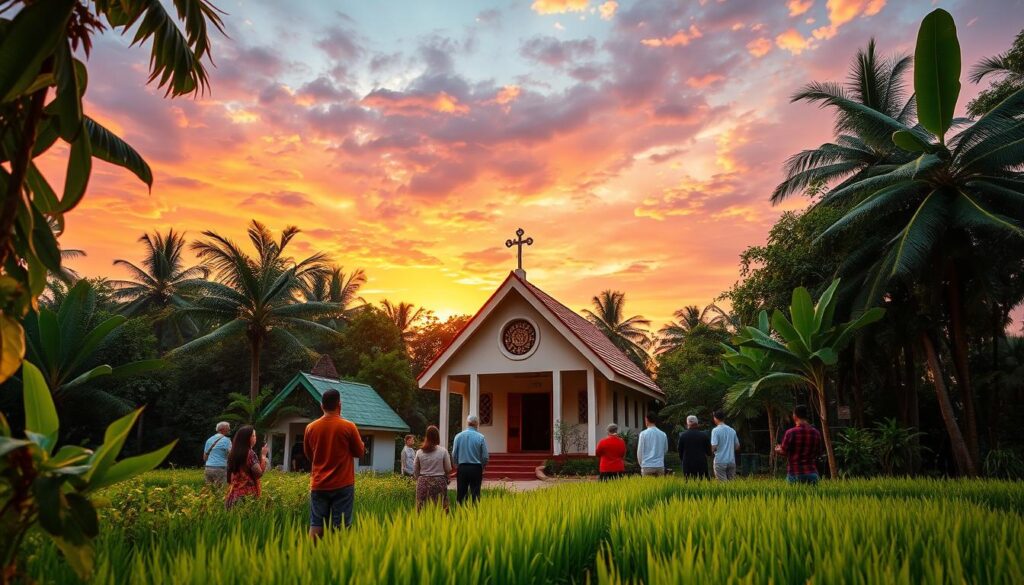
[299,404]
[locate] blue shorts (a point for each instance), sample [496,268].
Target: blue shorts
[334,503]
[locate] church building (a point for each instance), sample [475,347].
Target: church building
[534,370]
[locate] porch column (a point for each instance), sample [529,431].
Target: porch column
[474,394]
[270,449]
[591,413]
[556,410]
[287,446]
[443,422]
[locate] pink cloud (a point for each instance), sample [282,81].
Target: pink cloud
[793,41]
[680,38]
[798,7]
[607,10]
[760,47]
[841,12]
[393,102]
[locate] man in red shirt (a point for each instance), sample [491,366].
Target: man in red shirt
[331,444]
[611,451]
[802,445]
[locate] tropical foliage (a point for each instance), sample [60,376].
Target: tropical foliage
[805,346]
[630,334]
[160,286]
[42,85]
[54,489]
[254,296]
[405,316]
[66,340]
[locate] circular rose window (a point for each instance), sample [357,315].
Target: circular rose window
[518,338]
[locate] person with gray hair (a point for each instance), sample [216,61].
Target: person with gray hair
[694,449]
[215,455]
[611,453]
[469,453]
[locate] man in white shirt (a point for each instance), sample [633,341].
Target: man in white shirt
[651,448]
[409,456]
[725,443]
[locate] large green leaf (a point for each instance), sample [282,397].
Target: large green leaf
[31,38]
[849,329]
[780,379]
[937,72]
[113,442]
[825,308]
[909,141]
[133,466]
[40,413]
[43,241]
[79,169]
[139,367]
[85,347]
[801,309]
[8,444]
[12,346]
[91,374]
[108,147]
[68,102]
[795,341]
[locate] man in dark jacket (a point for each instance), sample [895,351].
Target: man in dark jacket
[694,450]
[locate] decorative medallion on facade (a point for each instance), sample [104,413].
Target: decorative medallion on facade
[519,339]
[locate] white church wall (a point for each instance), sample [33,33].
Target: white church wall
[481,353]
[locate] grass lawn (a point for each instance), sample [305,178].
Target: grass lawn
[167,529]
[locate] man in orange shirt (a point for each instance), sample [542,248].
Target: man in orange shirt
[611,452]
[331,444]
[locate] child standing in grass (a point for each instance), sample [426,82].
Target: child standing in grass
[244,469]
[432,469]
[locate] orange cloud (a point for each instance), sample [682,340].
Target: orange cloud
[682,37]
[607,10]
[793,41]
[507,94]
[559,6]
[798,7]
[841,12]
[760,47]
[393,102]
[704,80]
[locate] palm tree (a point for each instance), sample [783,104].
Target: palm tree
[1007,68]
[336,287]
[255,296]
[160,285]
[689,318]
[628,334]
[935,218]
[874,85]
[405,316]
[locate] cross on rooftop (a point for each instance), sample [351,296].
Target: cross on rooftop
[520,242]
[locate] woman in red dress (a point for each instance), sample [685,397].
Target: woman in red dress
[244,469]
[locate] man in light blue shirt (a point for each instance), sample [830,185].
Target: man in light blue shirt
[469,453]
[651,448]
[215,455]
[725,443]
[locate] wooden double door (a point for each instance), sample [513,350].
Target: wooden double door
[529,422]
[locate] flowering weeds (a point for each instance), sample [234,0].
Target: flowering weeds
[167,528]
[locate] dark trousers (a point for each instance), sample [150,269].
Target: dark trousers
[468,480]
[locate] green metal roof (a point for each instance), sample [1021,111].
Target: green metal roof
[359,403]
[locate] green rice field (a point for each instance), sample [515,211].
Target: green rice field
[166,528]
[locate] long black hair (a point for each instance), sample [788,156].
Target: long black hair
[238,456]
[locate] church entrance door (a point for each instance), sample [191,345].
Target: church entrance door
[529,422]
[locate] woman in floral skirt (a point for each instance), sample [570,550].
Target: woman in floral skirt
[432,469]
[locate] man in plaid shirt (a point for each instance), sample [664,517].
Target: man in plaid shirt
[802,445]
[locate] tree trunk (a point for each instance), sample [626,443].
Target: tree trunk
[958,331]
[962,456]
[255,345]
[772,459]
[913,407]
[858,399]
[826,432]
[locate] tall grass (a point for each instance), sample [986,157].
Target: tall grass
[169,529]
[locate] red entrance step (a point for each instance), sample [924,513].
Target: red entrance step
[514,466]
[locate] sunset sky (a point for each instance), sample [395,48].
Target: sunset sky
[636,142]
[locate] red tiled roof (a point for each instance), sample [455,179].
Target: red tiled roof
[594,339]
